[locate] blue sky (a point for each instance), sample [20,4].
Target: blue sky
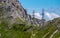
[50,6]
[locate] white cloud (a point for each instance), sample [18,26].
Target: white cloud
[38,15]
[48,15]
[51,15]
[55,15]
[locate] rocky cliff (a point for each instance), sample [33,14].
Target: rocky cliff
[13,7]
[11,11]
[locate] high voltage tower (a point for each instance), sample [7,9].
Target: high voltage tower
[33,16]
[42,18]
[42,13]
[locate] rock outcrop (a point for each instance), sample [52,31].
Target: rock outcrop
[13,7]
[10,10]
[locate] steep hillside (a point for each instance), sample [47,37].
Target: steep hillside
[11,11]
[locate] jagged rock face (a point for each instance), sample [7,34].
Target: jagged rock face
[13,7]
